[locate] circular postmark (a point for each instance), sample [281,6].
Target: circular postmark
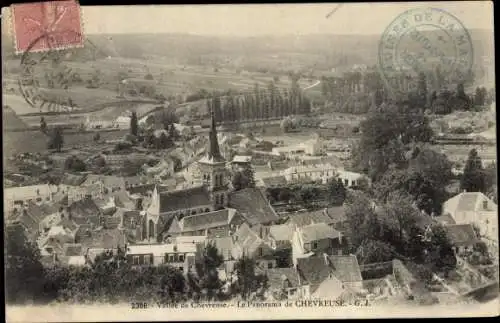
[423,40]
[46,77]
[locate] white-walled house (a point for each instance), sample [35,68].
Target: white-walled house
[322,172]
[181,256]
[19,196]
[475,208]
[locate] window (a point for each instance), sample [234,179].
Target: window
[269,265]
[193,212]
[135,260]
[181,258]
[346,182]
[146,259]
[181,268]
[222,199]
[261,252]
[38,199]
[315,245]
[171,258]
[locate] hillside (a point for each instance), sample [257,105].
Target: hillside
[11,121]
[328,49]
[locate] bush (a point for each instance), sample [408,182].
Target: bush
[73,163]
[122,146]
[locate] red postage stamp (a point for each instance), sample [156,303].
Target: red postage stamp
[43,26]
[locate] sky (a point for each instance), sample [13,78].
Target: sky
[262,19]
[268,19]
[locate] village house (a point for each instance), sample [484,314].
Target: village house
[477,209]
[387,279]
[282,235]
[462,237]
[180,256]
[321,173]
[316,238]
[254,206]
[272,181]
[109,183]
[319,278]
[311,147]
[31,217]
[351,179]
[220,223]
[332,216]
[240,163]
[51,243]
[251,244]
[17,197]
[283,283]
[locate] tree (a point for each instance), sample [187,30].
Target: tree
[384,136]
[422,91]
[164,141]
[133,124]
[287,124]
[168,117]
[491,181]
[56,140]
[207,276]
[173,134]
[100,162]
[373,251]
[336,192]
[74,164]
[479,97]
[24,271]
[243,179]
[401,215]
[461,100]
[248,282]
[358,211]
[473,178]
[43,125]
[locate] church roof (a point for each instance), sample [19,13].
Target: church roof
[183,199]
[207,220]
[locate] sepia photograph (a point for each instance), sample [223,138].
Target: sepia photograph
[257,161]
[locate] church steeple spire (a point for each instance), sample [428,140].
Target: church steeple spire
[213,148]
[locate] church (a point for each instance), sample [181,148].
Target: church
[206,205]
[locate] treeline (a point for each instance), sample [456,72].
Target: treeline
[358,92]
[111,279]
[260,104]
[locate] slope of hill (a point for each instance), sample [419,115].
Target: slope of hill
[22,139]
[11,121]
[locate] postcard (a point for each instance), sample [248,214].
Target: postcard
[235,162]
